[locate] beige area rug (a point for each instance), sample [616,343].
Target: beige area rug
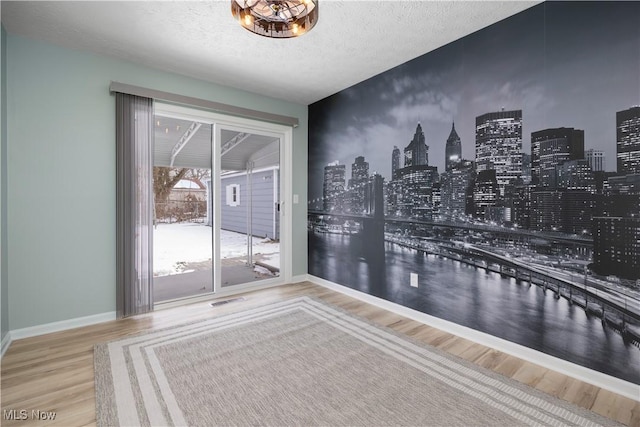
[302,362]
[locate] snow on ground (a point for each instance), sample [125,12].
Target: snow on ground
[272,259]
[262,270]
[175,245]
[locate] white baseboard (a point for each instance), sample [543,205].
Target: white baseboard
[581,373]
[6,342]
[63,325]
[78,322]
[299,278]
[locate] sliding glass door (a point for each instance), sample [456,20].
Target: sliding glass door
[218,198]
[249,207]
[182,233]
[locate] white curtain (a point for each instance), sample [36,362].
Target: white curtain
[134,204]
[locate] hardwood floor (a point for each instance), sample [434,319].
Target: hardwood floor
[54,372]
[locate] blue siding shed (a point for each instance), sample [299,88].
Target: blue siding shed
[234,199]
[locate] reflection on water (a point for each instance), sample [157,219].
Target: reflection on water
[471,297]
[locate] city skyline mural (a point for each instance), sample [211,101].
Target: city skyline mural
[495,183]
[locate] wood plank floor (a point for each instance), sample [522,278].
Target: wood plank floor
[54,372]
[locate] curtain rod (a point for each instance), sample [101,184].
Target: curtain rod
[203,103]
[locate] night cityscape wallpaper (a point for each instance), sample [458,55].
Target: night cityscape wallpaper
[495,183]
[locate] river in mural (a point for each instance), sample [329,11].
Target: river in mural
[471,297]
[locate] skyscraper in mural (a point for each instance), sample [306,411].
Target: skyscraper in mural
[595,159]
[485,193]
[357,183]
[453,149]
[333,186]
[550,148]
[454,184]
[616,233]
[628,141]
[359,169]
[575,175]
[417,152]
[616,246]
[395,161]
[526,167]
[414,190]
[499,146]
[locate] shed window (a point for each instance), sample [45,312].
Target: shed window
[233,195]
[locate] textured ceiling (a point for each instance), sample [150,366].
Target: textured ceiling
[353,40]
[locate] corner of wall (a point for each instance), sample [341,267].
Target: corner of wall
[300,188]
[4,303]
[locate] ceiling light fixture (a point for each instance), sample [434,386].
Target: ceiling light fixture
[276,18]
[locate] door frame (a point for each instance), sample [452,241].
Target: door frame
[241,124]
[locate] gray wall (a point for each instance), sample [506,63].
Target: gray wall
[234,218]
[4,287]
[61,163]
